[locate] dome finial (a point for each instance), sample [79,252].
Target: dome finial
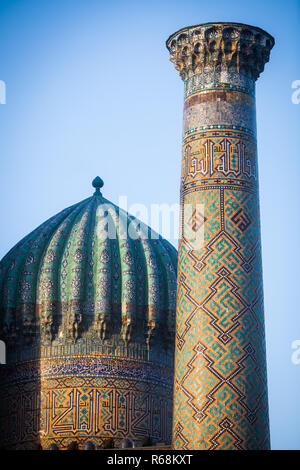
[97,183]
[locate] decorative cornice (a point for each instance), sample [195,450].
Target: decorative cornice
[207,47]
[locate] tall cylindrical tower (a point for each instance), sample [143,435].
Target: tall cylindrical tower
[220,399]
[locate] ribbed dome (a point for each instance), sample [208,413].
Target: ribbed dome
[68,281]
[88,316]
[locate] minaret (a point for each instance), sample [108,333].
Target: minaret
[220,396]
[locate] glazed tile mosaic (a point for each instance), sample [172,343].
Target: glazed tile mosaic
[220,392]
[57,401]
[89,320]
[89,323]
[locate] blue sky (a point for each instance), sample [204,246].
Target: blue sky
[90,91]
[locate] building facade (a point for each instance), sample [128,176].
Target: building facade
[220,395]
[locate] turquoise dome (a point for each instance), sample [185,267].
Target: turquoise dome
[68,282]
[88,317]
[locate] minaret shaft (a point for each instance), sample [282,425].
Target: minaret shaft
[220,394]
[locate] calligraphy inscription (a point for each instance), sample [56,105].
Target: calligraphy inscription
[219,157]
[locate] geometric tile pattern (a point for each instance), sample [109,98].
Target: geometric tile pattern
[220,387]
[47,403]
[220,383]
